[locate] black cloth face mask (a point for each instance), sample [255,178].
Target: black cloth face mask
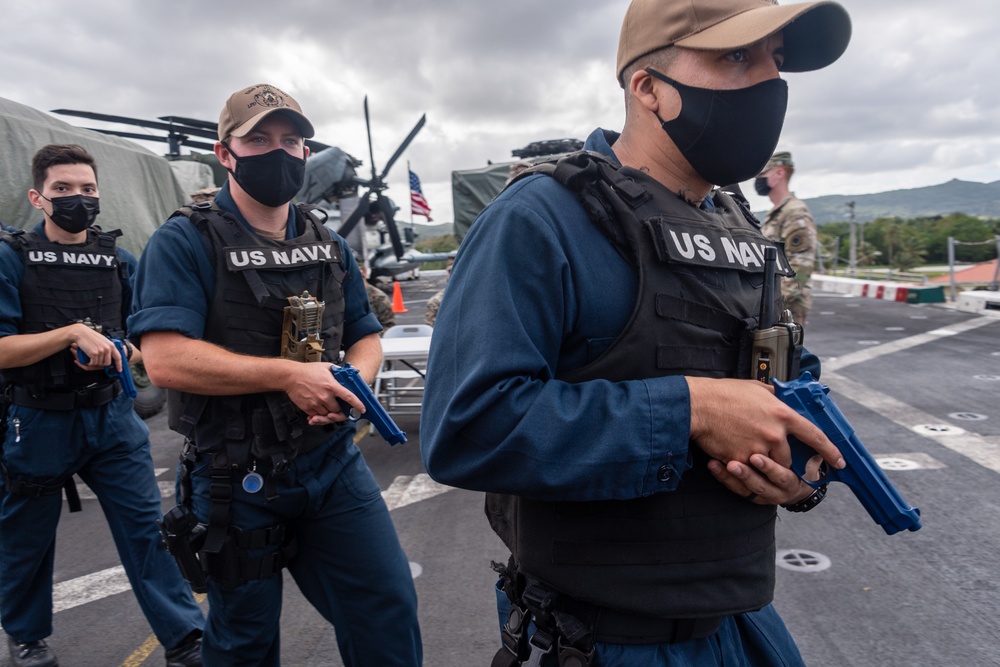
[272,178]
[74,213]
[727,135]
[761,186]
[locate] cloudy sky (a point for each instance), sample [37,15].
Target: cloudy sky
[912,102]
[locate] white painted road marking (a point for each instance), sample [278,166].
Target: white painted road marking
[403,491]
[408,490]
[984,450]
[166,488]
[904,343]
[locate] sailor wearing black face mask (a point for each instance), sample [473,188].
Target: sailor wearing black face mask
[270,463]
[66,288]
[629,467]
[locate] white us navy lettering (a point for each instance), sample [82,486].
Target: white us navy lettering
[281,257]
[745,253]
[81,258]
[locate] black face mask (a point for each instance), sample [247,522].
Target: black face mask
[271,178]
[727,135]
[761,186]
[74,213]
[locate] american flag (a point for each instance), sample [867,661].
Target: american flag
[418,205]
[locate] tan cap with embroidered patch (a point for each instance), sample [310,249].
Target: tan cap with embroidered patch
[248,106]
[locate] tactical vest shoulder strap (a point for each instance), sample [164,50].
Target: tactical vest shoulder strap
[313,213]
[109,240]
[744,206]
[207,214]
[606,195]
[16,239]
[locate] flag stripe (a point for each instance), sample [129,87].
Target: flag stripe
[418,204]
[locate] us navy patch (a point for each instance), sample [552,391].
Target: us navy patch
[256,257]
[721,248]
[72,258]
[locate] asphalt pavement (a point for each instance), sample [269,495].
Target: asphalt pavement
[920,384]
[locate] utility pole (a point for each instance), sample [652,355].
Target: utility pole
[853,261]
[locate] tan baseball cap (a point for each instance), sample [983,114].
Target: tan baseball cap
[816,33]
[779,159]
[248,106]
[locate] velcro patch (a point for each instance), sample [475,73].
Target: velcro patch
[721,248]
[96,260]
[256,257]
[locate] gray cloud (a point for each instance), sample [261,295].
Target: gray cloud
[911,102]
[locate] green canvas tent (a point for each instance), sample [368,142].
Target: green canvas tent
[472,190]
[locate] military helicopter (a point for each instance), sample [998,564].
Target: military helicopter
[331,183]
[333,178]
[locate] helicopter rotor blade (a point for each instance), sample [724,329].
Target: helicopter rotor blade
[403,146]
[356,215]
[371,154]
[382,204]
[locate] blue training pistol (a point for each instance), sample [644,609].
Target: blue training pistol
[125,375]
[349,376]
[863,475]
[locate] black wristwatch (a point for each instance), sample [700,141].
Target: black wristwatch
[809,502]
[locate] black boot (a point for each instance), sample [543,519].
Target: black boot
[32,654]
[187,653]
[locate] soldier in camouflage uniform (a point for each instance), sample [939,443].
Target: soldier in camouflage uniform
[433,303]
[791,223]
[380,303]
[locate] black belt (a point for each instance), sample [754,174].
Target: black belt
[615,627]
[86,397]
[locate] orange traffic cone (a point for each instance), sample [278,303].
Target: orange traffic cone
[397,298]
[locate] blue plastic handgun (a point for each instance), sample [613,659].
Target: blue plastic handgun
[125,376]
[349,376]
[809,398]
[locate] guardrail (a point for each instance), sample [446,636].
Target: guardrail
[885,290]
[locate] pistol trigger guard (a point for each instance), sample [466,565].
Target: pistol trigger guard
[825,476]
[346,408]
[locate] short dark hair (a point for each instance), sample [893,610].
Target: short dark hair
[56,154]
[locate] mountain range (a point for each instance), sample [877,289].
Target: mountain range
[955,196]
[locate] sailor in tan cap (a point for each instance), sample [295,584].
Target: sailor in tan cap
[633,476]
[224,296]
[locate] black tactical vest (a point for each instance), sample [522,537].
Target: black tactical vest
[254,277]
[65,283]
[700,551]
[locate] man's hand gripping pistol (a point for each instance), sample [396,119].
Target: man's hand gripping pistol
[125,375]
[301,341]
[776,352]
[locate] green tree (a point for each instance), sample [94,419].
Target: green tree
[908,250]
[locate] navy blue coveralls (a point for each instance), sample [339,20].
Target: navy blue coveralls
[546,292]
[349,563]
[108,447]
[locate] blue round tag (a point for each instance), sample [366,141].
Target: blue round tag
[253,482]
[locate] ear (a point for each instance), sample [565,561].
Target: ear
[663,100]
[35,199]
[225,157]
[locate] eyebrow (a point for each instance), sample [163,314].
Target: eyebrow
[259,133]
[84,185]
